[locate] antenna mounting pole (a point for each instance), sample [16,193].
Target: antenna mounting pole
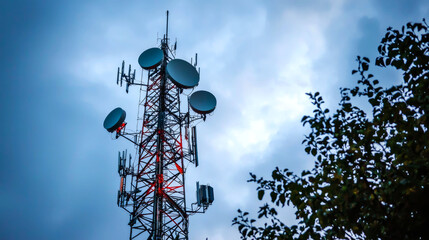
[166,30]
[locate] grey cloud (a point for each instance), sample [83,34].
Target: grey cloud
[57,169]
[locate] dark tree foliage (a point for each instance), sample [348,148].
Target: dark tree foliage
[370,179]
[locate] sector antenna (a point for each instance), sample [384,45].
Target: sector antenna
[152,184]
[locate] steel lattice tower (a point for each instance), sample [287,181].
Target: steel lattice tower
[156,200]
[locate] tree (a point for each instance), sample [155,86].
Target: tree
[370,179]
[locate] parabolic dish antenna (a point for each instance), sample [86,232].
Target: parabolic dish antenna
[115,119]
[151,58]
[182,73]
[202,102]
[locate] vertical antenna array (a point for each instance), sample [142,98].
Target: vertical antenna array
[156,200]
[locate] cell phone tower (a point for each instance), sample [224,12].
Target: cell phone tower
[165,142]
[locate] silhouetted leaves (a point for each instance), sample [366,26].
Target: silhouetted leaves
[261,194]
[370,179]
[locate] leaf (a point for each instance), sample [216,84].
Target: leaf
[373,102]
[304,118]
[365,66]
[380,62]
[273,196]
[261,194]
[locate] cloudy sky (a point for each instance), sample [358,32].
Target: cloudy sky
[58,176]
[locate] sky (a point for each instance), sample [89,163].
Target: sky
[58,60]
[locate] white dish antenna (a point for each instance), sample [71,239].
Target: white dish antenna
[202,102]
[182,73]
[151,58]
[115,119]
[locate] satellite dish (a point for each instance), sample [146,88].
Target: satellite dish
[151,58]
[182,73]
[202,102]
[114,120]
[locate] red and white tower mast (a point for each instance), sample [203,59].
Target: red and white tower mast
[165,142]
